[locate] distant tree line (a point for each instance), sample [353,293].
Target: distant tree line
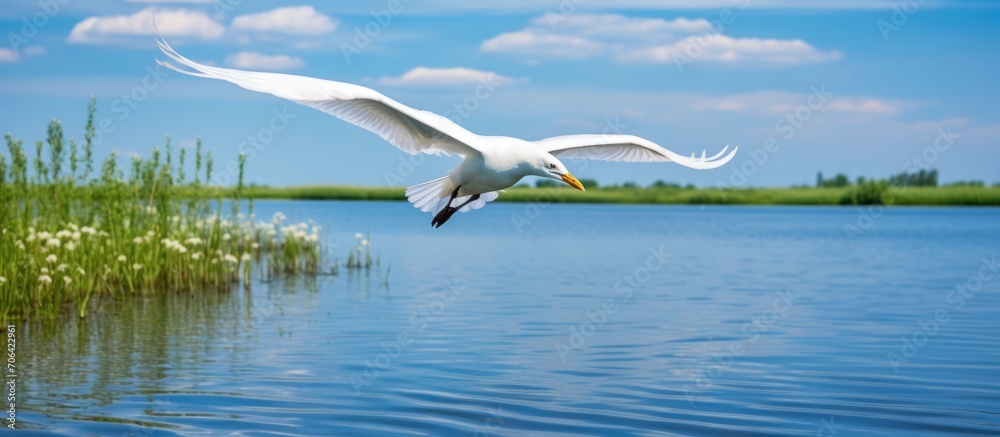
[591,184]
[922,178]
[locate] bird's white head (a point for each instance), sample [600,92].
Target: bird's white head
[550,167]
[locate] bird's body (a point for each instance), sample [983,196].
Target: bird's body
[501,163]
[490,163]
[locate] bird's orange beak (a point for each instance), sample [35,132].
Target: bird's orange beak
[569,179]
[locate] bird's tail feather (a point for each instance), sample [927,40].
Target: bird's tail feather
[432,196]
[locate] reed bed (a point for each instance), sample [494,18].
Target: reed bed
[70,233]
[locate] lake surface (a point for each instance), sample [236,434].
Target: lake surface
[523,319]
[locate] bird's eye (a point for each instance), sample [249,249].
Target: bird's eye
[552,166]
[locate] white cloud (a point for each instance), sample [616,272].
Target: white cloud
[259,61]
[648,40]
[424,76]
[171,1]
[723,49]
[544,45]
[532,6]
[771,103]
[34,50]
[295,20]
[171,22]
[10,56]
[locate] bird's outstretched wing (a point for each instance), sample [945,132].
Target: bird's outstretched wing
[628,148]
[412,130]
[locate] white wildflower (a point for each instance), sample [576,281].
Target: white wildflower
[81,271]
[245,257]
[70,246]
[121,258]
[196,255]
[255,246]
[137,240]
[54,242]
[137,266]
[44,235]
[231,259]
[67,280]
[45,270]
[62,267]
[226,236]
[3,279]
[52,258]
[364,242]
[45,279]
[358,235]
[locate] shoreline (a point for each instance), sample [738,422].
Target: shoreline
[922,196]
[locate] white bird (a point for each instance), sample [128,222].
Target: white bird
[490,163]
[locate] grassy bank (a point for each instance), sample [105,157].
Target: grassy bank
[958,196]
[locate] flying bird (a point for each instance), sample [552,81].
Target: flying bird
[490,163]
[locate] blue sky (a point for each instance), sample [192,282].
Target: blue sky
[854,87]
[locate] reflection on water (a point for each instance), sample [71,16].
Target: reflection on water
[588,320]
[78,368]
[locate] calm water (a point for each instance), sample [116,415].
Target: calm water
[566,319]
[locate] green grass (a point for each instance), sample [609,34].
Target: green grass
[958,196]
[70,233]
